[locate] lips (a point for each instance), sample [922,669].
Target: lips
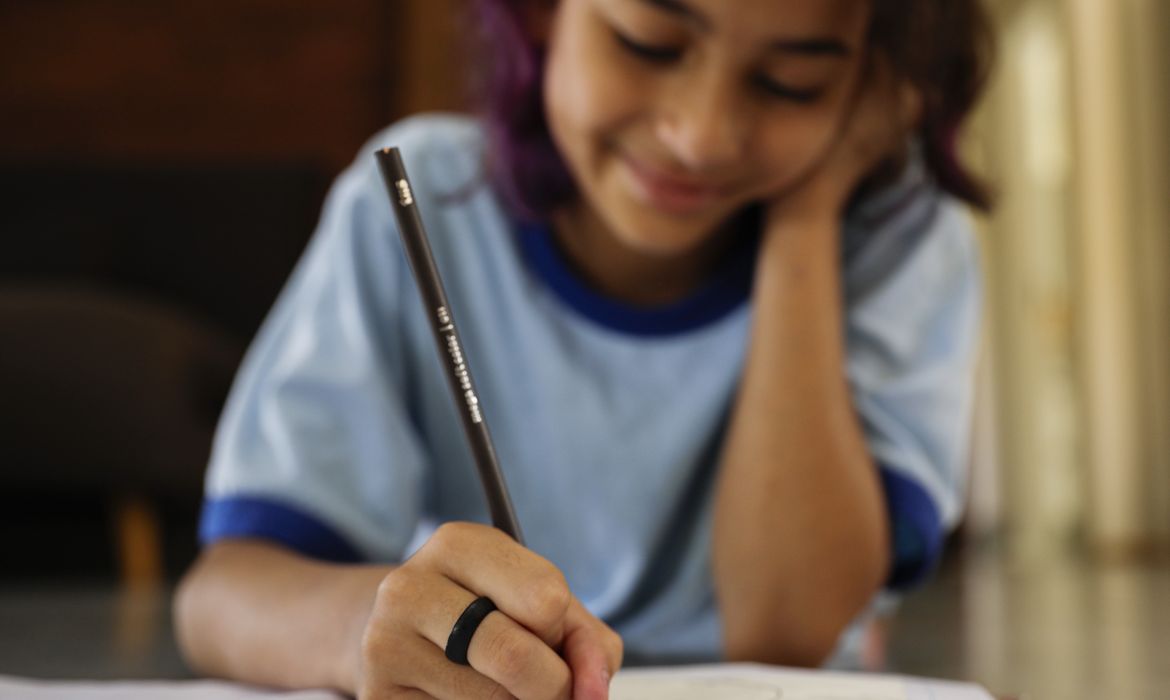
[669,192]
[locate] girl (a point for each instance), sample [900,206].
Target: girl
[715,284]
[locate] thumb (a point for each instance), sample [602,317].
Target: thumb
[585,652]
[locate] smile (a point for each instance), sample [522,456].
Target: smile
[668,192]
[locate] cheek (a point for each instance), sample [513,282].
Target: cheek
[585,90]
[793,141]
[790,146]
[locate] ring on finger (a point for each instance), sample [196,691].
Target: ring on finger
[464,629]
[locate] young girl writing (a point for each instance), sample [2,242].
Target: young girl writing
[720,299]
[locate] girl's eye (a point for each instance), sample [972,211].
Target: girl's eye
[653,54]
[780,91]
[669,54]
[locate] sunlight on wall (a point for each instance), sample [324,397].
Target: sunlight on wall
[1029,247]
[1074,134]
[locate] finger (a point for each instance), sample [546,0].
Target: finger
[519,661]
[594,654]
[433,674]
[524,586]
[406,665]
[501,649]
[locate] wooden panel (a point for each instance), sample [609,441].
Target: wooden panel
[431,70]
[215,79]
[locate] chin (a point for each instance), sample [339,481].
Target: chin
[654,233]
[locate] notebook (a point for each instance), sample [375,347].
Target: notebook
[712,682]
[757,682]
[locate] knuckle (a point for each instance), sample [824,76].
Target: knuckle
[548,598]
[452,537]
[396,589]
[446,535]
[511,657]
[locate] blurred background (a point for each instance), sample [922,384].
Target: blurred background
[162,165]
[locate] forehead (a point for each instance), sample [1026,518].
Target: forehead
[774,18]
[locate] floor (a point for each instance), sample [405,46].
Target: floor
[1058,630]
[87,631]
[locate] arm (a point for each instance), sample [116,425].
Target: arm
[259,613]
[801,541]
[800,534]
[317,449]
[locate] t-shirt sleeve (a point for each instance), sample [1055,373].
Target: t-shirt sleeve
[316,448]
[913,298]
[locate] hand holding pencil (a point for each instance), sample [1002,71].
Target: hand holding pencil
[475,614]
[539,642]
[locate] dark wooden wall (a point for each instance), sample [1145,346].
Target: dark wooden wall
[162,164]
[216,80]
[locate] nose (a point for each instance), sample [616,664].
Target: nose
[702,124]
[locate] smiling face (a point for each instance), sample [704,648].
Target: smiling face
[672,115]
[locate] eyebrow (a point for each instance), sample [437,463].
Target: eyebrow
[827,46]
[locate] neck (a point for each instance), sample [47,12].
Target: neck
[640,277]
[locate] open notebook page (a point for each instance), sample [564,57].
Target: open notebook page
[755,682]
[715,682]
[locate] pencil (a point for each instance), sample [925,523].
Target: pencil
[442,322]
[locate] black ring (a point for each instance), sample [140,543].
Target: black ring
[460,638]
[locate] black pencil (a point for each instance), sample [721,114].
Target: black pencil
[442,321]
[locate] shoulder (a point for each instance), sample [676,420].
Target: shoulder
[443,152]
[444,157]
[913,232]
[355,234]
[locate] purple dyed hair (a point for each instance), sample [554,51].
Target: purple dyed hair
[522,158]
[944,47]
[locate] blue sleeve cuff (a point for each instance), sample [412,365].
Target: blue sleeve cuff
[916,530]
[241,516]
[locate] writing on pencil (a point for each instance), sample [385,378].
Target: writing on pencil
[442,323]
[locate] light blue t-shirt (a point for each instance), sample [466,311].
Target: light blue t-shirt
[340,438]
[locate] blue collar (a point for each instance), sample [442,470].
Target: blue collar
[728,288]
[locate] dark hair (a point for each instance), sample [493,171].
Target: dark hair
[944,47]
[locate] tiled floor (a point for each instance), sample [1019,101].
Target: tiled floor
[1057,630]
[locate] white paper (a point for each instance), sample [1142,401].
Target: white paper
[756,682]
[26,689]
[713,682]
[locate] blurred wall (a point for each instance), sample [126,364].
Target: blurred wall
[1074,132]
[218,79]
[162,165]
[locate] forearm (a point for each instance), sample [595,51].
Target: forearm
[255,612]
[800,537]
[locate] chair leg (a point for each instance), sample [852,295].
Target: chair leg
[138,536]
